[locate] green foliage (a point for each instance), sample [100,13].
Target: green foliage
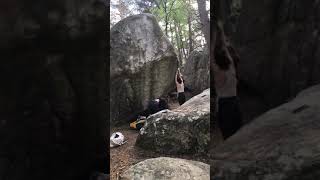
[173,16]
[179,19]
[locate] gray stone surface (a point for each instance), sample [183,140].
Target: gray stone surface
[142,65]
[164,168]
[53,113]
[281,144]
[196,72]
[279,45]
[183,130]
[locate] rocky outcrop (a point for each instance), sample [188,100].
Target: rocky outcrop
[196,72]
[142,65]
[282,144]
[183,130]
[164,168]
[280,50]
[53,111]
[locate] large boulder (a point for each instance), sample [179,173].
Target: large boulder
[142,65]
[53,111]
[280,50]
[282,144]
[183,130]
[164,168]
[196,72]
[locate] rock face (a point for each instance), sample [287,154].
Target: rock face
[280,50]
[165,168]
[53,111]
[142,65]
[196,72]
[282,144]
[184,130]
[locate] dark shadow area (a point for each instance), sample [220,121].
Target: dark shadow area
[53,95]
[278,46]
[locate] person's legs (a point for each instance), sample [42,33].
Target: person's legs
[229,116]
[237,115]
[224,119]
[181,98]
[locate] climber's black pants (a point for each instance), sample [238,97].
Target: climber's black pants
[181,98]
[229,116]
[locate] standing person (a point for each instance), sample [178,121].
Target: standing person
[180,87]
[225,76]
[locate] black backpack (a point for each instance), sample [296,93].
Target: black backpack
[153,106]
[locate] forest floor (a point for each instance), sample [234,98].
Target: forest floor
[122,157]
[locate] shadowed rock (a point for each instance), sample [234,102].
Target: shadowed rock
[183,130]
[53,113]
[282,144]
[142,66]
[280,50]
[196,72]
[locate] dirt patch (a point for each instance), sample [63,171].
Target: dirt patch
[123,156]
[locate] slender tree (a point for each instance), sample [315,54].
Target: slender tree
[122,8]
[190,27]
[166,16]
[204,19]
[178,42]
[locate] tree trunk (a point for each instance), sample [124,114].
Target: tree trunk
[178,42]
[172,32]
[122,9]
[181,41]
[190,30]
[166,17]
[204,19]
